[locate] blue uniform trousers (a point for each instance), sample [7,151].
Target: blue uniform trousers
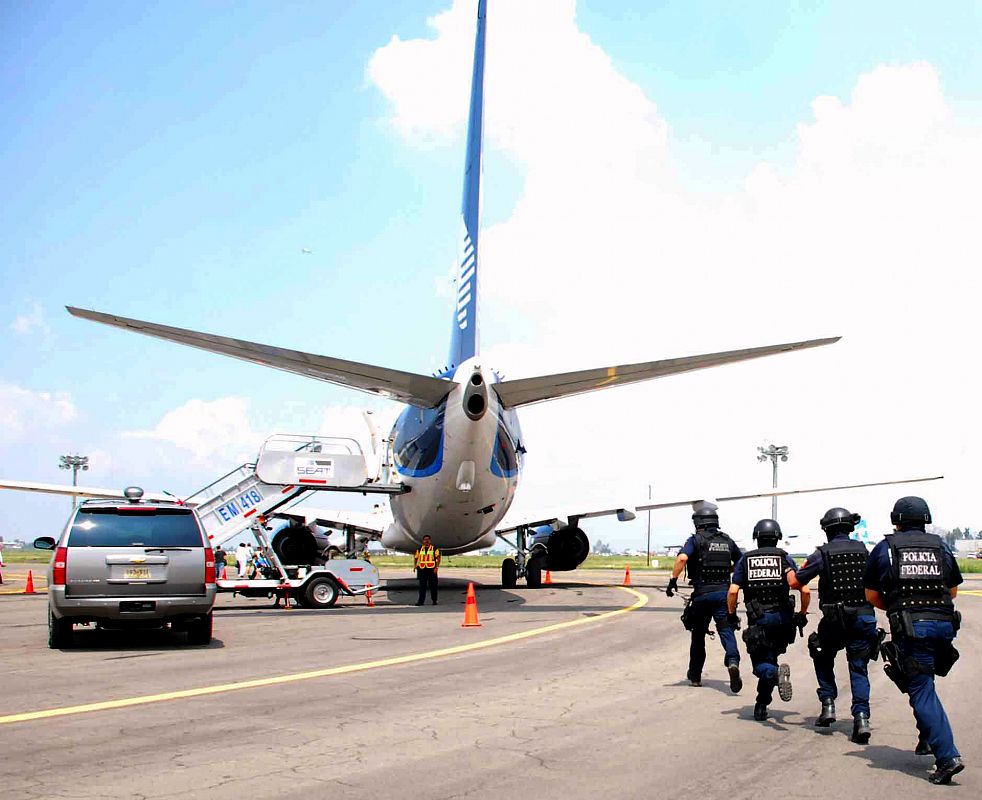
[703,609]
[929,637]
[856,640]
[774,627]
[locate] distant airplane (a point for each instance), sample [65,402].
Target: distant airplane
[457,446]
[306,251]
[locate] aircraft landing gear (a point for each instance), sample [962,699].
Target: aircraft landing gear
[522,565]
[509,573]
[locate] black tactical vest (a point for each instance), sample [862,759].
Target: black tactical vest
[765,578]
[843,567]
[918,572]
[713,560]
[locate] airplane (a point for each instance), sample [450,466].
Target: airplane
[457,447]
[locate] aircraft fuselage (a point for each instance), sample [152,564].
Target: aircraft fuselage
[462,460]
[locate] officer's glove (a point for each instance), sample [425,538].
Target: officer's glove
[673,587]
[734,620]
[800,620]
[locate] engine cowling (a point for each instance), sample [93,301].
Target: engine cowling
[560,550]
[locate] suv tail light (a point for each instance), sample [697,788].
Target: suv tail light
[60,567]
[209,565]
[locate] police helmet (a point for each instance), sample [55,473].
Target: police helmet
[704,516]
[837,520]
[910,512]
[768,529]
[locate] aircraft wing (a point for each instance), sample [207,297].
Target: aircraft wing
[407,387]
[781,493]
[366,522]
[81,491]
[513,522]
[525,391]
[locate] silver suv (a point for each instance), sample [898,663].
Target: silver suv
[130,563]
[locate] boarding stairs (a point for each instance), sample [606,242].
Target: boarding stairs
[289,468]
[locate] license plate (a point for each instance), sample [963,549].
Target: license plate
[137,573]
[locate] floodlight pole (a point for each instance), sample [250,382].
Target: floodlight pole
[773,453]
[648,548]
[74,463]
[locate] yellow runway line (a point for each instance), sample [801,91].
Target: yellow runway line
[640,601]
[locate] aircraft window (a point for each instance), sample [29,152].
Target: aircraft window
[504,459]
[418,445]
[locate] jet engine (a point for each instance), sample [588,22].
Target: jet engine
[560,550]
[298,544]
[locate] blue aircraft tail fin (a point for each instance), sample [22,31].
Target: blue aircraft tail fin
[464,333]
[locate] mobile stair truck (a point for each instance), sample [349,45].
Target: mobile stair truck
[289,469]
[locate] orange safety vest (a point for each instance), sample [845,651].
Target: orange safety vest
[426,557]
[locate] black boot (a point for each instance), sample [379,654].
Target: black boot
[784,682]
[736,682]
[923,748]
[827,717]
[944,771]
[860,728]
[695,679]
[760,712]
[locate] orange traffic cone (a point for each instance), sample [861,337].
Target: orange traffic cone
[548,579]
[368,595]
[29,588]
[470,609]
[627,575]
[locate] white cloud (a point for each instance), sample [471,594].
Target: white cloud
[210,431]
[31,322]
[24,411]
[870,233]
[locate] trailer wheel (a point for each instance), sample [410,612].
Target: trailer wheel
[321,593]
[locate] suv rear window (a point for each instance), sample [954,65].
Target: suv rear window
[135,527]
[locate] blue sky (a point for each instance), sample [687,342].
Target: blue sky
[169,161]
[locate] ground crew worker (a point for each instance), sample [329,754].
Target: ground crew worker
[848,620]
[708,557]
[427,562]
[770,612]
[913,576]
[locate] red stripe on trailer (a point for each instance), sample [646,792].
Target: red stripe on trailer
[312,480]
[355,569]
[286,489]
[249,513]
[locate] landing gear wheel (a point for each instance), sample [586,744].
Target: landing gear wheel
[321,593]
[509,573]
[533,573]
[59,632]
[200,629]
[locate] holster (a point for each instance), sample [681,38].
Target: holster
[893,665]
[814,646]
[944,660]
[686,616]
[873,654]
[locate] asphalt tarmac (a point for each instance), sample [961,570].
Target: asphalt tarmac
[395,701]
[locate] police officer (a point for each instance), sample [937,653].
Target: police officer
[708,556]
[848,620]
[913,576]
[770,612]
[427,562]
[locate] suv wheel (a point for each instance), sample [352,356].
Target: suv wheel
[199,630]
[59,632]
